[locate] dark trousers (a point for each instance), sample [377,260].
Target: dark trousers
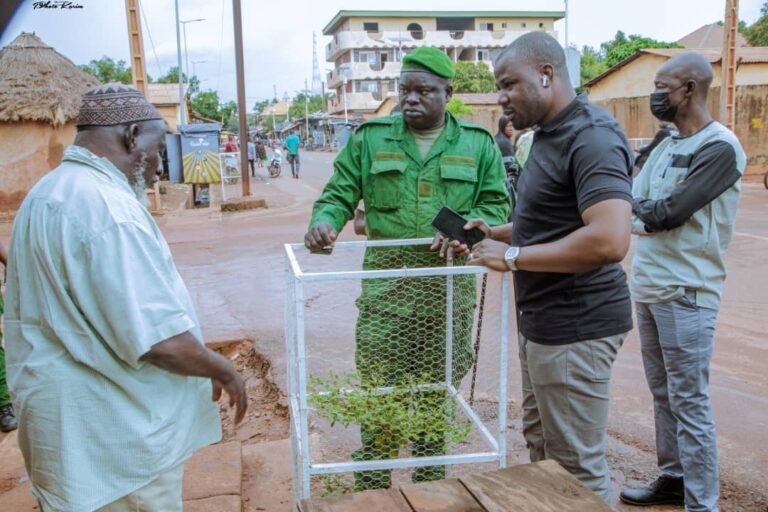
[295,164]
[253,167]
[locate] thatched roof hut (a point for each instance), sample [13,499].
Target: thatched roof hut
[39,84]
[40,92]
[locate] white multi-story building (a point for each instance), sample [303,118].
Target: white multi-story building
[368,46]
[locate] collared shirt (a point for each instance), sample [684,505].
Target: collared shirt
[684,208]
[91,288]
[403,191]
[577,160]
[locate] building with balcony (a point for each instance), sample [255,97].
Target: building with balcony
[368,46]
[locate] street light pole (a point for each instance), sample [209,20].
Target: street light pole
[194,69]
[182,117]
[343,70]
[566,25]
[186,53]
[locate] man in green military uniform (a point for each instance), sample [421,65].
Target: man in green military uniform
[405,168]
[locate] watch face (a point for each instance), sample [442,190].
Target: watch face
[511,257]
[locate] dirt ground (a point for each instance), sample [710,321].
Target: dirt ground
[234,267]
[267,416]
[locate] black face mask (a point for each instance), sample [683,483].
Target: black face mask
[660,107]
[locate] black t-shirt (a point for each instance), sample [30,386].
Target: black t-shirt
[578,160]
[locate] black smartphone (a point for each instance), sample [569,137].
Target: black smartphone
[451,224]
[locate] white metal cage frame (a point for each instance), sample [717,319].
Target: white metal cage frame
[303,468]
[229,164]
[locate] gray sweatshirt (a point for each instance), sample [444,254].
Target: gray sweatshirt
[684,208]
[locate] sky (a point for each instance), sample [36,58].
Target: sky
[278,36]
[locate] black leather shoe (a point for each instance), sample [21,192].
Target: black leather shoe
[666,490]
[7,419]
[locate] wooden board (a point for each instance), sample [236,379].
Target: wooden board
[380,500]
[541,487]
[441,496]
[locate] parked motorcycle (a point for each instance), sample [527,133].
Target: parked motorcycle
[275,165]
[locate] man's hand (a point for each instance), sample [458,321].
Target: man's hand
[440,243]
[235,388]
[3,255]
[184,355]
[462,250]
[489,253]
[319,237]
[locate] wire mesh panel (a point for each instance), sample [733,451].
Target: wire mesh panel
[397,372]
[231,174]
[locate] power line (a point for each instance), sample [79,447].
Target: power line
[151,42]
[221,43]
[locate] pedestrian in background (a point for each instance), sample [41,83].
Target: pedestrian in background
[292,145]
[504,137]
[252,156]
[261,152]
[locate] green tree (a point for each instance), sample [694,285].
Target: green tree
[297,108]
[206,103]
[172,77]
[623,46]
[108,70]
[259,106]
[592,64]
[267,124]
[473,77]
[228,111]
[457,107]
[757,33]
[742,26]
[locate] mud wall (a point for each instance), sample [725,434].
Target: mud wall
[486,116]
[635,117]
[29,151]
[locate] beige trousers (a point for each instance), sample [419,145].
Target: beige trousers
[163,494]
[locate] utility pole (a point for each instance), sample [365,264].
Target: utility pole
[182,116]
[306,110]
[566,25]
[242,109]
[136,45]
[728,66]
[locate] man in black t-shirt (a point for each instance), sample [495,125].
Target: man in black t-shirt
[571,230]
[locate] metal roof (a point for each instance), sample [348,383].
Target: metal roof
[342,15]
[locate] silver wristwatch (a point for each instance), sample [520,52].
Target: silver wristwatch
[511,257]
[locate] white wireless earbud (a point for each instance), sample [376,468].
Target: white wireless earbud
[545,81]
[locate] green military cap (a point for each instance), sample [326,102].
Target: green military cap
[428,58]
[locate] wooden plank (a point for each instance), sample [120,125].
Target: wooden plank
[541,487]
[440,496]
[379,500]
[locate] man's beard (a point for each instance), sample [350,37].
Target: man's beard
[139,183]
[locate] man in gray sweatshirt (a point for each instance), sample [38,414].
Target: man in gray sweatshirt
[684,209]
